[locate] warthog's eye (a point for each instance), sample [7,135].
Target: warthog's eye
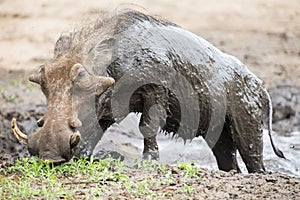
[84,80]
[81,74]
[40,122]
[88,83]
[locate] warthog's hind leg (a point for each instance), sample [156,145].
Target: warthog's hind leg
[225,150]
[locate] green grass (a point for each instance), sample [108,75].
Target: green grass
[35,179]
[32,178]
[16,83]
[30,86]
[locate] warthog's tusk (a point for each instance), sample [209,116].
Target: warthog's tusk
[75,139]
[18,134]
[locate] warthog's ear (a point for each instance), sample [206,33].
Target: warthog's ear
[103,84]
[37,76]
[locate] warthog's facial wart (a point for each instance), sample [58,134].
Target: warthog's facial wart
[58,136]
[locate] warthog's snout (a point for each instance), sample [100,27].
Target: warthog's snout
[47,145]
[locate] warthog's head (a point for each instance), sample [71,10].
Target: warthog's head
[58,136]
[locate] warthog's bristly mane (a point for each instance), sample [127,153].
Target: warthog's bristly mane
[106,26]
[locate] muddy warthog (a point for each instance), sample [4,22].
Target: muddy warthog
[177,80]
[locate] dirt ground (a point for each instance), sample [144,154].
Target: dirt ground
[265,35]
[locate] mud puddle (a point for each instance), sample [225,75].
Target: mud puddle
[126,139]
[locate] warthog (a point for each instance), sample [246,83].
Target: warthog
[177,80]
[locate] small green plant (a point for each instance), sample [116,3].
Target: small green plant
[146,164]
[1,89]
[12,98]
[189,169]
[188,189]
[30,86]
[15,83]
[267,188]
[163,168]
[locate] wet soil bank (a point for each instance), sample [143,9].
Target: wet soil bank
[219,185]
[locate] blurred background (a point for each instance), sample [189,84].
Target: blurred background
[263,34]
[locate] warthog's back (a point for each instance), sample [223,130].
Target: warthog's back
[136,49]
[132,39]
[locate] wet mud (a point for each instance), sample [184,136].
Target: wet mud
[286,107]
[10,148]
[25,109]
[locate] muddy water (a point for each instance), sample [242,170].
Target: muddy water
[290,145]
[126,139]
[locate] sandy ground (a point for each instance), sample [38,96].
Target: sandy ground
[265,35]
